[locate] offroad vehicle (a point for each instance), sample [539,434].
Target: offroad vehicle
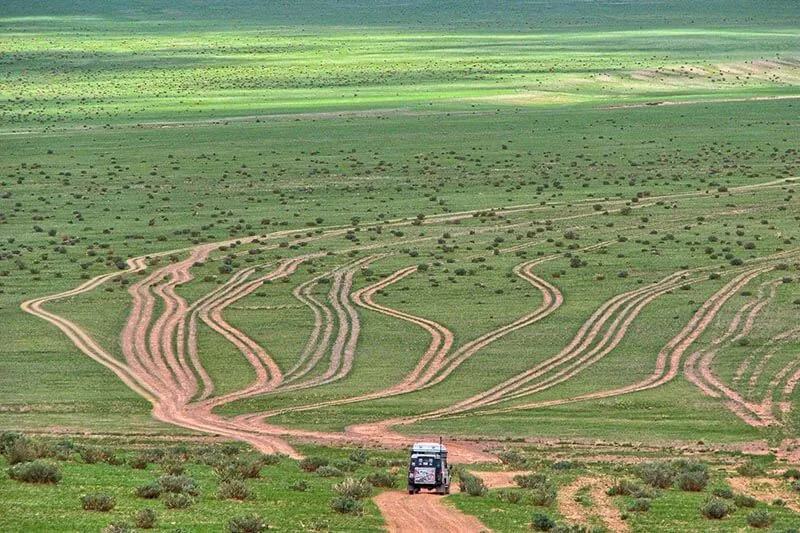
[428,468]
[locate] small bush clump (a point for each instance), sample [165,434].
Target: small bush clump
[472,485]
[791,473]
[743,500]
[716,508]
[749,469]
[35,472]
[234,489]
[178,485]
[353,488]
[542,522]
[723,492]
[145,518]
[117,527]
[251,523]
[149,492]
[347,505]
[329,471]
[174,500]
[694,481]
[659,475]
[22,450]
[509,496]
[312,464]
[513,458]
[759,518]
[98,502]
[640,505]
[381,479]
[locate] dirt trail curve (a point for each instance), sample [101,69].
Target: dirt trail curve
[602,505]
[424,513]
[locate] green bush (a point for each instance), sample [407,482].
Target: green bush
[562,465]
[723,492]
[329,471]
[743,500]
[98,502]
[623,487]
[381,479]
[695,481]
[543,496]
[359,456]
[472,485]
[509,496]
[791,473]
[531,481]
[640,505]
[716,508]
[138,461]
[35,472]
[312,464]
[513,458]
[145,518]
[178,485]
[347,505]
[175,500]
[149,492]
[659,475]
[23,450]
[749,469]
[759,518]
[542,522]
[357,489]
[271,458]
[234,489]
[173,466]
[251,523]
[345,465]
[795,486]
[8,438]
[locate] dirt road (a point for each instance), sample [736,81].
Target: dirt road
[424,513]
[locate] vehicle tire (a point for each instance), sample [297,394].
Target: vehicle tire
[411,489]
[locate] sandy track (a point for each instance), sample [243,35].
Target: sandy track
[603,506]
[424,513]
[669,358]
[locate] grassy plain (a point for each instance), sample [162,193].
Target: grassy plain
[623,143]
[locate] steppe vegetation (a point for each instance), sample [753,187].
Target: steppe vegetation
[321,229]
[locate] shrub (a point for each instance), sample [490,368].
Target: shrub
[174,500]
[312,464]
[23,450]
[117,527]
[562,465]
[791,473]
[7,439]
[640,505]
[693,481]
[173,466]
[659,475]
[178,485]
[542,522]
[299,486]
[512,458]
[749,469]
[329,471]
[377,462]
[91,455]
[98,502]
[743,500]
[251,523]
[759,518]
[346,505]
[381,479]
[509,496]
[531,481]
[358,456]
[723,492]
[138,461]
[149,492]
[357,489]
[472,485]
[543,496]
[35,472]
[145,518]
[623,487]
[715,508]
[234,489]
[271,458]
[795,486]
